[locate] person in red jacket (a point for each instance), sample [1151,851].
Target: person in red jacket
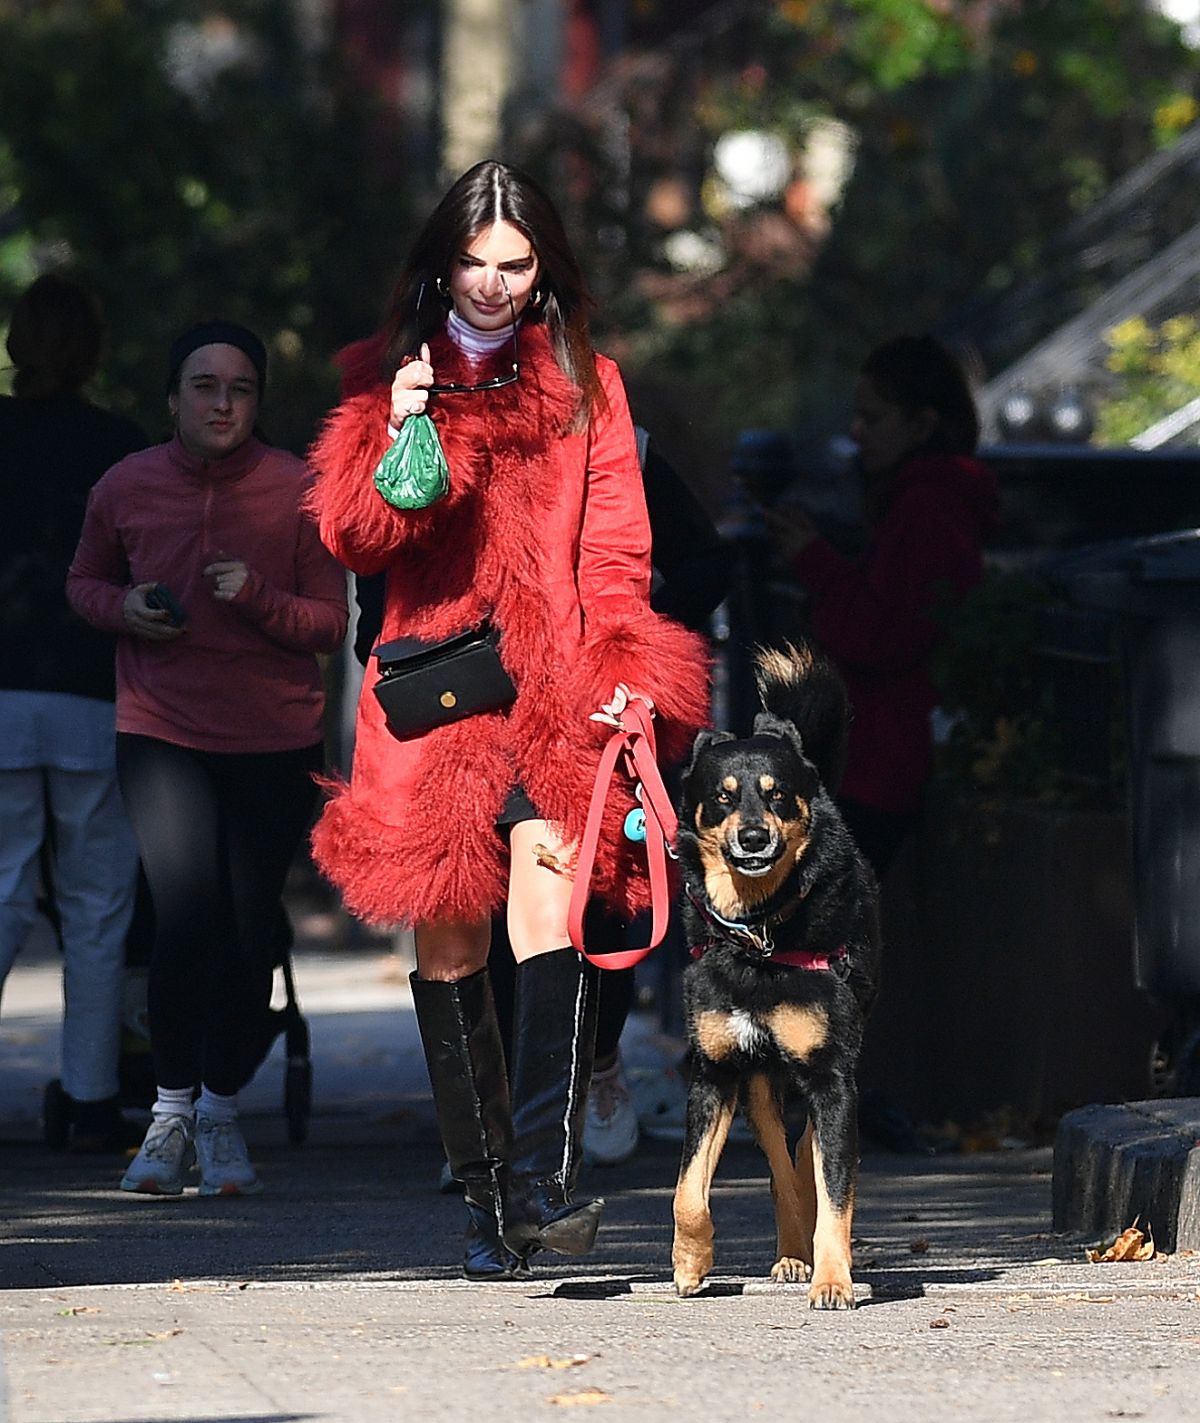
[929,506]
[198,555]
[544,534]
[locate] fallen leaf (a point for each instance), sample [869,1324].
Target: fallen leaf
[79,1309]
[148,1338]
[544,1361]
[919,1247]
[939,1324]
[585,1399]
[1131,1244]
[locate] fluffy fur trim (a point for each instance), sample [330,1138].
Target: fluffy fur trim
[391,875]
[654,656]
[356,523]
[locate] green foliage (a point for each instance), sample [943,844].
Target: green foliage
[186,161]
[980,132]
[1157,370]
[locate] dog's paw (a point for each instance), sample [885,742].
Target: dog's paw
[687,1282]
[831,1294]
[787,1270]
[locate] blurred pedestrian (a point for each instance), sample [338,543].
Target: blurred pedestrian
[58,784]
[198,555]
[543,535]
[929,506]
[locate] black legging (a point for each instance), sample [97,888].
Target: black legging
[217,832]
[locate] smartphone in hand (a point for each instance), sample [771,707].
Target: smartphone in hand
[160,596]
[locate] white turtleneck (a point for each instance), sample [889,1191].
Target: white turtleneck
[473,343]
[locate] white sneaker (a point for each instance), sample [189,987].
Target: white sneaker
[610,1131]
[660,1099]
[225,1168]
[165,1158]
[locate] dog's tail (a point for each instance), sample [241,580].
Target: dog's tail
[800,685]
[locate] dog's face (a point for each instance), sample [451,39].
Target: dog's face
[748,804]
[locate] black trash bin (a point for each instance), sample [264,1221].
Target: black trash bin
[1151,586]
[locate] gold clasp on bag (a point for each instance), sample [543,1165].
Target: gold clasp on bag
[448,699]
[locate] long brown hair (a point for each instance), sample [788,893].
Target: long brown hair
[488,193]
[919,373]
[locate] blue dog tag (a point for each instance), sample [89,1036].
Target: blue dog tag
[635,825]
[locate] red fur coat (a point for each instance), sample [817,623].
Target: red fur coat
[545,532]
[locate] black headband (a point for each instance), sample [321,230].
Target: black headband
[219,333]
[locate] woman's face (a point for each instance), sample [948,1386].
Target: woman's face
[496,256]
[216,404]
[884,431]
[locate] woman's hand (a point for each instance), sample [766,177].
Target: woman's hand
[409,395]
[610,712]
[792,530]
[229,577]
[141,620]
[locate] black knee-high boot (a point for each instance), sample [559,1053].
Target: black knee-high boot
[470,1093]
[554,1043]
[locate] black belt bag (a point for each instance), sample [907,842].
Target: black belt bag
[427,684]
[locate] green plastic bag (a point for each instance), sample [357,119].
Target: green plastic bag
[413,473]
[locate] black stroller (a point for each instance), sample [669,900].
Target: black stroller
[135,1070]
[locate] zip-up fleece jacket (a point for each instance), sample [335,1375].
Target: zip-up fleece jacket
[244,675]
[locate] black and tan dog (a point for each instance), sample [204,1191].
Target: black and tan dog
[781,913]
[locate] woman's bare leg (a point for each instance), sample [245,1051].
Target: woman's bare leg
[539,890]
[449,949]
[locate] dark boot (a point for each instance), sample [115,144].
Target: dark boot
[470,1092]
[554,1043]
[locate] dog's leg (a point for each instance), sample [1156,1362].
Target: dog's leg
[710,1108]
[835,1158]
[793,1262]
[806,1190]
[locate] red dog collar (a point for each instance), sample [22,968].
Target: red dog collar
[794,958]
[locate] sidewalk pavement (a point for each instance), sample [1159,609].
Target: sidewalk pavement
[335,1295]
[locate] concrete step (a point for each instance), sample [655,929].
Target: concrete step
[1138,1160]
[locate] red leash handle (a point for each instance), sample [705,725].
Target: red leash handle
[633,737]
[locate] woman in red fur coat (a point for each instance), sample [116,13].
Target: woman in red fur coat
[544,534]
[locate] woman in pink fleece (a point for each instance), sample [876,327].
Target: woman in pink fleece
[198,555]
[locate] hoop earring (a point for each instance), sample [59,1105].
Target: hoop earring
[536,297]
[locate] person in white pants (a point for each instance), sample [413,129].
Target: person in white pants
[58,785]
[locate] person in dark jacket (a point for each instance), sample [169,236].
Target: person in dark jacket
[929,506]
[58,784]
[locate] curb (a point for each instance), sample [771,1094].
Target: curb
[1139,1160]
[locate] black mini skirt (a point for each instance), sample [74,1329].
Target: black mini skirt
[517,807]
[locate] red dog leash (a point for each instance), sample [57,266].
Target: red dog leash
[632,719]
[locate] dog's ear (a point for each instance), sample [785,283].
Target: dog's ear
[703,741]
[767,725]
